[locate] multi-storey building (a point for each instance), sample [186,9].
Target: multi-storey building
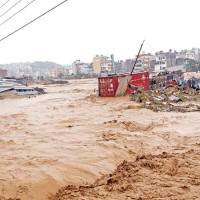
[76,66]
[86,68]
[124,66]
[69,71]
[165,60]
[102,64]
[145,62]
[79,67]
[56,72]
[193,54]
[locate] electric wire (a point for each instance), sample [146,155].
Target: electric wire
[33,20]
[10,8]
[4,4]
[17,13]
[151,47]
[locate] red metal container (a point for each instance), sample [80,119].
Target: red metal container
[108,86]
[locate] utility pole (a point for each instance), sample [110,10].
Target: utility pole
[137,56]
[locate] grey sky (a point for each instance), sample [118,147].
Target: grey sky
[80,29]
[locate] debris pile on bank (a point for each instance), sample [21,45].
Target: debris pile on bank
[43,81]
[169,98]
[60,82]
[40,90]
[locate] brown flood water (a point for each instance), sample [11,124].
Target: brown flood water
[71,137]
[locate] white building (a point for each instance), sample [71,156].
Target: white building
[161,62]
[69,70]
[193,54]
[165,60]
[85,69]
[80,67]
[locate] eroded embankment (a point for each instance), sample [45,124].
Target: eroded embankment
[164,176]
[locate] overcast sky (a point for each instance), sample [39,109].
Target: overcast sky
[80,29]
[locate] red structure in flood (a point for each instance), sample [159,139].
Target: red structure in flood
[120,85]
[113,86]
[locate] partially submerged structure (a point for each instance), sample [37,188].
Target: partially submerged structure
[12,87]
[120,85]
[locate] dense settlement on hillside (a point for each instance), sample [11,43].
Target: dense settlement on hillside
[185,61]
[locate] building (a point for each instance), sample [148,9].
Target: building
[113,63]
[120,67]
[102,64]
[86,68]
[182,61]
[57,72]
[165,60]
[193,54]
[3,73]
[129,63]
[79,67]
[161,62]
[126,66]
[76,67]
[197,53]
[69,71]
[145,62]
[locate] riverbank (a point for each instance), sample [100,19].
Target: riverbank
[69,136]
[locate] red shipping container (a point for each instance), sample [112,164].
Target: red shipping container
[109,86]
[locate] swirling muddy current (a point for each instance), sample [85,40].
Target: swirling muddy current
[69,136]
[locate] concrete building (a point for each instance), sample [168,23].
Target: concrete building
[161,62]
[57,72]
[113,63]
[124,66]
[120,67]
[197,53]
[86,68]
[69,71]
[76,67]
[82,68]
[193,54]
[145,62]
[182,61]
[165,60]
[102,64]
[129,63]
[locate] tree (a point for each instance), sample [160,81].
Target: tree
[61,75]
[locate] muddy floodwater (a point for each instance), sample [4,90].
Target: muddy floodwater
[69,136]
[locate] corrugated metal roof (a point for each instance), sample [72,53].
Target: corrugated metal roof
[5,89]
[22,88]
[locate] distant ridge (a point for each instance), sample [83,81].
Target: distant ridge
[35,65]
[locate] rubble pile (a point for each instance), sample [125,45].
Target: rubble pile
[40,90]
[41,81]
[169,98]
[60,82]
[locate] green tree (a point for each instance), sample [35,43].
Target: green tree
[61,75]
